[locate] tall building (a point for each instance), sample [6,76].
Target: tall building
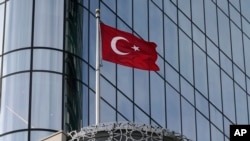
[47,57]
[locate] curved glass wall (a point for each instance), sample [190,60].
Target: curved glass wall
[41,64]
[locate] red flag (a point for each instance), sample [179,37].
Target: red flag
[124,48]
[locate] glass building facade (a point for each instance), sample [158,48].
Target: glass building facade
[47,60]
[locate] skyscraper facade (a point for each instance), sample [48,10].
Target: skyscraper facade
[48,66]
[41,74]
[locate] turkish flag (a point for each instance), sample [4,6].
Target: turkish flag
[124,48]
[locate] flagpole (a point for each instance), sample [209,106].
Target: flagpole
[97,85]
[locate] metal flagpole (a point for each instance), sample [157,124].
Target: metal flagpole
[97,85]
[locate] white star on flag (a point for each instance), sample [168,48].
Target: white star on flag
[136,48]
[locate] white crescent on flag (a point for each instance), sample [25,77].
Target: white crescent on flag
[114,47]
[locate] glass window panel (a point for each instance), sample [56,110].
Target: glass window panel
[184,5]
[188,120]
[108,92]
[171,10]
[49,23]
[141,117]
[124,11]
[1,26]
[156,27]
[227,124]
[186,58]
[199,37]
[0,65]
[187,90]
[92,75]
[85,106]
[85,32]
[18,24]
[223,4]
[140,20]
[235,15]
[241,105]
[200,70]
[216,135]
[172,77]
[111,4]
[46,101]
[245,9]
[93,5]
[226,64]
[91,108]
[202,128]
[157,99]
[72,66]
[185,24]
[201,103]
[211,22]
[15,102]
[228,96]
[108,114]
[237,46]
[47,60]
[92,39]
[198,13]
[247,54]
[216,117]
[125,106]
[239,76]
[16,61]
[173,109]
[171,42]
[235,3]
[224,33]
[214,84]
[141,93]
[248,86]
[213,51]
[17,136]
[248,100]
[85,73]
[125,84]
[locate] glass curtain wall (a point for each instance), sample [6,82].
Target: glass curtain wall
[203,53]
[41,78]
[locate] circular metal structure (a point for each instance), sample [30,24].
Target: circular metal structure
[126,131]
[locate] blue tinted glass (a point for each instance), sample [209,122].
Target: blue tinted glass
[198,13]
[47,60]
[186,59]
[49,24]
[18,25]
[211,22]
[171,42]
[237,46]
[124,11]
[46,101]
[173,109]
[241,105]
[224,33]
[202,128]
[200,70]
[188,120]
[157,99]
[16,61]
[228,97]
[214,83]
[14,102]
